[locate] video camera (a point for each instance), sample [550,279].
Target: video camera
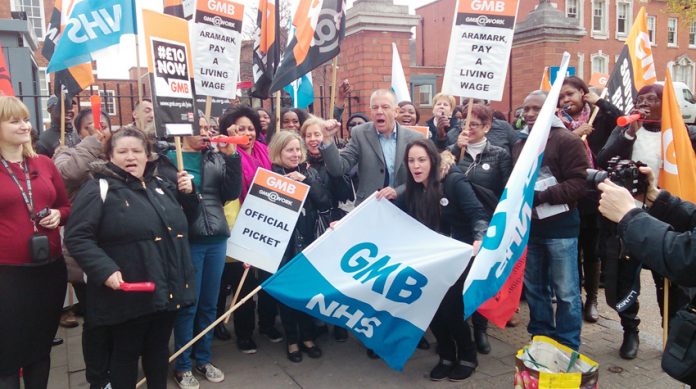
[622,172]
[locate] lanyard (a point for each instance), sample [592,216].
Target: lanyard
[27,196]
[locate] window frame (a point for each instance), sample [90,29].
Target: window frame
[17,5]
[604,57]
[108,98]
[653,39]
[628,18]
[420,94]
[676,30]
[692,35]
[603,32]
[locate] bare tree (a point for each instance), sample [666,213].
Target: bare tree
[251,28]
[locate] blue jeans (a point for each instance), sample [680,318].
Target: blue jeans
[552,265]
[208,260]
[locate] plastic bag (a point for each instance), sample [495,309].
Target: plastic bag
[547,364]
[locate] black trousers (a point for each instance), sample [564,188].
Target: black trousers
[298,326]
[587,241]
[244,315]
[35,376]
[96,349]
[452,332]
[146,336]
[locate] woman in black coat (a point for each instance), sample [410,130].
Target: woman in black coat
[128,226]
[451,208]
[288,157]
[575,104]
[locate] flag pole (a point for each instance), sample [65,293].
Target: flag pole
[207,329]
[277,111]
[138,72]
[62,116]
[470,106]
[665,314]
[179,154]
[239,289]
[334,65]
[595,111]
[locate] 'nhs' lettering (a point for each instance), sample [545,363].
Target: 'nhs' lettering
[406,285]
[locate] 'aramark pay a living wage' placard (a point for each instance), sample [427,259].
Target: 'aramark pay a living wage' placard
[479,48]
[266,221]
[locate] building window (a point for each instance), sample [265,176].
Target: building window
[44,93]
[683,70]
[599,63]
[672,32]
[692,35]
[108,98]
[652,20]
[572,9]
[624,16]
[425,95]
[35,14]
[599,18]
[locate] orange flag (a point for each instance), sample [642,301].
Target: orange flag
[678,171]
[546,80]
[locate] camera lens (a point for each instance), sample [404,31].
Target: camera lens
[594,177]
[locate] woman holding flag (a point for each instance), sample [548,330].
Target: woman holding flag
[288,156]
[447,205]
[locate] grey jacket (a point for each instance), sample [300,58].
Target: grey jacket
[364,150]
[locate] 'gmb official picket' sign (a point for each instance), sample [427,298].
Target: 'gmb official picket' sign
[169,64]
[479,48]
[266,221]
[218,42]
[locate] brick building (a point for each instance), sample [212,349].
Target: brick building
[592,31]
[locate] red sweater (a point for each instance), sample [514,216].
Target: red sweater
[15,226]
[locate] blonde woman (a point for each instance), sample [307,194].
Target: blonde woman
[33,204]
[288,157]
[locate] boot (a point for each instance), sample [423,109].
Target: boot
[629,346]
[590,313]
[481,339]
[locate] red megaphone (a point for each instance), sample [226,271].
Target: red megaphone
[137,286]
[237,140]
[623,121]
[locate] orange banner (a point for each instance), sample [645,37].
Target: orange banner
[546,80]
[280,184]
[489,7]
[638,44]
[678,172]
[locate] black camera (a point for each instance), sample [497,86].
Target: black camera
[163,146]
[622,172]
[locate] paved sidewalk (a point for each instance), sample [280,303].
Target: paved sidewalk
[345,365]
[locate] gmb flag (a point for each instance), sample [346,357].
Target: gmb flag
[265,48]
[508,231]
[91,25]
[380,273]
[319,29]
[678,172]
[634,68]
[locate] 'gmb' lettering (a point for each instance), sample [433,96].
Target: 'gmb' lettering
[406,285]
[282,185]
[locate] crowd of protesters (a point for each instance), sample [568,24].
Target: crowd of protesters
[136,216]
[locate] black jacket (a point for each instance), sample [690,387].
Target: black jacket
[490,170]
[603,125]
[619,145]
[340,189]
[663,239]
[221,181]
[318,200]
[50,139]
[140,230]
[444,142]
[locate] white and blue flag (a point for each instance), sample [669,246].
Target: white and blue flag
[92,25]
[508,230]
[379,273]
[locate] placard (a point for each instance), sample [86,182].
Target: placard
[265,223]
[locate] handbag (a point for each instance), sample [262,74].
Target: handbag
[679,357]
[321,224]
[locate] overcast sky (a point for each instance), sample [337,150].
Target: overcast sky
[113,63]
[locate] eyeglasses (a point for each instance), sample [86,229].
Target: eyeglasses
[473,125]
[648,99]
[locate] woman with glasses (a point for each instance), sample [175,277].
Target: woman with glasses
[488,168]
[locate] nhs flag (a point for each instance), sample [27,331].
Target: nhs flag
[92,25]
[379,273]
[508,231]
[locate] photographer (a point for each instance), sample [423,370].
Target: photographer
[662,236]
[640,141]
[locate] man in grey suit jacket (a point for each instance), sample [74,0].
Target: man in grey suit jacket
[377,147]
